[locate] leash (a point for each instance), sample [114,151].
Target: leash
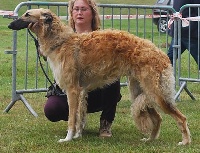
[38,54]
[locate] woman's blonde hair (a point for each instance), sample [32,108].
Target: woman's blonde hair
[95,14]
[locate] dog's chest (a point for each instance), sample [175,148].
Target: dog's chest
[56,70]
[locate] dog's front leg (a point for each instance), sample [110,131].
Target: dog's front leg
[81,113]
[73,94]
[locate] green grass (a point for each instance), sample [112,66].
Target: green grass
[21,132]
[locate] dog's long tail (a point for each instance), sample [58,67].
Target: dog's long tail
[146,117]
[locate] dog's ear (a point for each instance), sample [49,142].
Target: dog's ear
[47,17]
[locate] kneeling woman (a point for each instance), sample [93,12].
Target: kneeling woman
[84,17]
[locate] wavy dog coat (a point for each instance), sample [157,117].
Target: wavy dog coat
[83,62]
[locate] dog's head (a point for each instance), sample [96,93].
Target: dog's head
[41,15]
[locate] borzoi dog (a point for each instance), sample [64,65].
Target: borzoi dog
[84,62]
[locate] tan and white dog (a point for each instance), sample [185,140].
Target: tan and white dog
[83,62]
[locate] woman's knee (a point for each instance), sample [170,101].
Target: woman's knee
[56,108]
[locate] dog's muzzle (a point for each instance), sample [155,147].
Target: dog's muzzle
[18,24]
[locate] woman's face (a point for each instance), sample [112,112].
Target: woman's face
[81,13]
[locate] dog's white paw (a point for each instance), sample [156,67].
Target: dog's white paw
[77,135]
[180,144]
[183,143]
[145,139]
[68,137]
[64,140]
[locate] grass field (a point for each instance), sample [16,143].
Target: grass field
[23,133]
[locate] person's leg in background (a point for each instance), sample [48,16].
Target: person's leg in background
[193,48]
[170,50]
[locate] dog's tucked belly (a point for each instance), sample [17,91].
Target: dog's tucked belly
[99,74]
[96,82]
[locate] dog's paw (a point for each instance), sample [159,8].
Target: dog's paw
[145,139]
[83,124]
[68,137]
[183,143]
[64,140]
[77,135]
[180,144]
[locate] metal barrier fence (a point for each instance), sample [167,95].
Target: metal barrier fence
[187,69]
[141,20]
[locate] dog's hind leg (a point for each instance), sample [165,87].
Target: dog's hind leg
[179,117]
[167,103]
[73,94]
[182,123]
[168,108]
[162,93]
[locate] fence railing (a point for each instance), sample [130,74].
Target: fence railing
[141,20]
[187,69]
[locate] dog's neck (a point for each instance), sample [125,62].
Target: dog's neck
[53,35]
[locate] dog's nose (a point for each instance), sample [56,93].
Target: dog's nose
[12,26]
[9,26]
[18,24]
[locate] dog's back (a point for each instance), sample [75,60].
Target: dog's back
[109,54]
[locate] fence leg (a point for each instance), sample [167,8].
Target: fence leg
[189,93]
[28,106]
[184,86]
[20,97]
[10,105]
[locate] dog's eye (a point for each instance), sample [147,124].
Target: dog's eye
[27,15]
